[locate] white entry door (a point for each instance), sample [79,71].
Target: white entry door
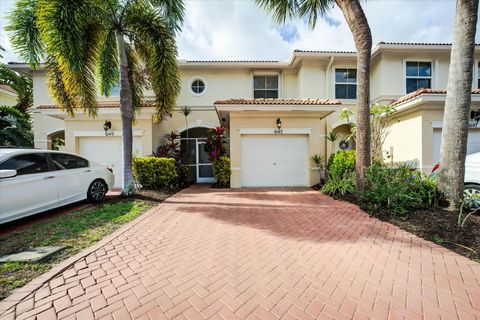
[274,161]
[204,165]
[108,151]
[473,143]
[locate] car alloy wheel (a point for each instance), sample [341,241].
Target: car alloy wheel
[98,190]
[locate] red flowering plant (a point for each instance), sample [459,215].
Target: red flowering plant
[215,145]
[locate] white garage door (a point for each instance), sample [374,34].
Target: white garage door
[274,161]
[473,143]
[108,151]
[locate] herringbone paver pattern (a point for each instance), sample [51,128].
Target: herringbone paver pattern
[259,254]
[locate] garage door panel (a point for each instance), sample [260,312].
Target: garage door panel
[274,161]
[108,151]
[473,143]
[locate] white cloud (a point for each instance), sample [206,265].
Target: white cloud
[238,29]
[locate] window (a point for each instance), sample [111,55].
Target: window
[418,75]
[64,161]
[26,164]
[478,75]
[198,86]
[265,87]
[346,83]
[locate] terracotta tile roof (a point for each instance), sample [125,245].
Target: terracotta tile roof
[312,102]
[419,43]
[7,88]
[323,51]
[232,61]
[146,104]
[421,91]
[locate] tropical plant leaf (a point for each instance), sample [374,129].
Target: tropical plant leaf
[24,32]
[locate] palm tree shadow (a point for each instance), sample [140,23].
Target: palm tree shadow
[301,214]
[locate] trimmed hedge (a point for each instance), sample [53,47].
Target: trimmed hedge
[221,171]
[341,163]
[155,173]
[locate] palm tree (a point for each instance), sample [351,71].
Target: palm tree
[332,137]
[457,104]
[21,84]
[15,128]
[109,40]
[357,21]
[186,112]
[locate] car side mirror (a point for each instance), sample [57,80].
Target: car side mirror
[7,173]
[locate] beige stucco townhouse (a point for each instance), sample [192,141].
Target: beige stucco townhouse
[277,113]
[8,96]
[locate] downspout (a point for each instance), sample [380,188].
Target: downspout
[328,79]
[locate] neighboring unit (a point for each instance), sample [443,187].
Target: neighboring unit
[277,114]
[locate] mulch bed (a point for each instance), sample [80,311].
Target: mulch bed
[437,225]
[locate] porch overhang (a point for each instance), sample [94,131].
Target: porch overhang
[428,99]
[313,107]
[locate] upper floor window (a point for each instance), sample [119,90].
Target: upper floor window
[478,75]
[198,86]
[265,87]
[346,83]
[418,75]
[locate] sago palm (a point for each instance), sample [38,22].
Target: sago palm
[88,45]
[358,24]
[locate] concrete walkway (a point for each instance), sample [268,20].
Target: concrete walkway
[255,254]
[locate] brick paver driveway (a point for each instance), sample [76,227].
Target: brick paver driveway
[257,254]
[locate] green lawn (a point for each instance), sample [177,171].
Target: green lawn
[75,231]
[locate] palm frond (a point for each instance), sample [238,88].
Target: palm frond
[72,33]
[136,78]
[281,10]
[56,86]
[24,33]
[172,12]
[155,43]
[21,84]
[313,9]
[108,64]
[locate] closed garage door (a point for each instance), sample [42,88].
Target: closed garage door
[108,151]
[473,143]
[274,161]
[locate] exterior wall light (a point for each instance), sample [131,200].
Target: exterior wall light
[475,115]
[107,126]
[279,124]
[279,127]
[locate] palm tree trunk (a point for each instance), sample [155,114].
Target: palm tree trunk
[457,104]
[356,20]
[126,109]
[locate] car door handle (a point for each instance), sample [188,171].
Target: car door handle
[49,177]
[87,171]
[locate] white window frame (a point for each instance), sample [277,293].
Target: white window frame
[432,76]
[267,74]
[192,80]
[334,80]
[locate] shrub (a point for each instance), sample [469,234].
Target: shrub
[342,185]
[155,173]
[341,163]
[215,145]
[397,190]
[221,171]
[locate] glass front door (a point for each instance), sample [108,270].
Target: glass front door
[203,164]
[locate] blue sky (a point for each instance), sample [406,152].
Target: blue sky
[238,29]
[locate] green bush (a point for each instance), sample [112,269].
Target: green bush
[155,173]
[397,190]
[342,185]
[221,171]
[341,163]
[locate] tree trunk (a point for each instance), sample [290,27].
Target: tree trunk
[457,104]
[126,109]
[356,20]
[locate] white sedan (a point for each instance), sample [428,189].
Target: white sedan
[32,181]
